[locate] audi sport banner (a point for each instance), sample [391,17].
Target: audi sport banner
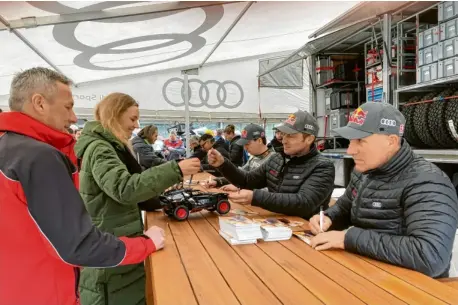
[228,87]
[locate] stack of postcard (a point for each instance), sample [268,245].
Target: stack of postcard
[272,229]
[305,236]
[239,230]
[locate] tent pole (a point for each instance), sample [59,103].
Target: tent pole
[186,113]
[186,106]
[245,9]
[30,45]
[80,15]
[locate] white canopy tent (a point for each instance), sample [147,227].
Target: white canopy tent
[142,48]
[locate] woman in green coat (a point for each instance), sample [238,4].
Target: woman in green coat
[113,185]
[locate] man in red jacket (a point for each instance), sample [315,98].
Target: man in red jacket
[47,235]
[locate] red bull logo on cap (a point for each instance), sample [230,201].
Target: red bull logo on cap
[401,129]
[244,133]
[358,116]
[291,119]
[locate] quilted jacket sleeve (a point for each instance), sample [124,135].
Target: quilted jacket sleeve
[112,176]
[148,157]
[430,215]
[340,212]
[221,181]
[314,191]
[254,179]
[236,154]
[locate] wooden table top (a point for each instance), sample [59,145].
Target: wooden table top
[197,266]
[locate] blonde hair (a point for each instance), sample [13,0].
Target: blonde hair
[109,111]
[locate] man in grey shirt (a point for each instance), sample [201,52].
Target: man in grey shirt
[253,139]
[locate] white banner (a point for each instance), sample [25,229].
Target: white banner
[227,87]
[219,88]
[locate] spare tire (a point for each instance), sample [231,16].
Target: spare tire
[409,131]
[451,120]
[438,125]
[420,122]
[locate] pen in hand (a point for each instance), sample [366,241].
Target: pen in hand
[321,218]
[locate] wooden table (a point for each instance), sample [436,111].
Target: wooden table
[197,266]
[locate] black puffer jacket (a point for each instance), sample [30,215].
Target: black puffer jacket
[146,153]
[404,213]
[204,161]
[222,143]
[296,186]
[276,145]
[236,152]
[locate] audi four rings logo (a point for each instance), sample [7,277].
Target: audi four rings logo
[211,93]
[65,34]
[388,122]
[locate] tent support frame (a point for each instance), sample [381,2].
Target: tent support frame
[33,21]
[234,23]
[31,46]
[186,106]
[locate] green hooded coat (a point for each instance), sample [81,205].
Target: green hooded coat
[111,191]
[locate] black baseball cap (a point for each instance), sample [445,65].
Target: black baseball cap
[299,122]
[373,118]
[251,132]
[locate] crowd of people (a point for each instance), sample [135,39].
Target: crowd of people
[74,201]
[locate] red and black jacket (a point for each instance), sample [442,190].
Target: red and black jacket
[47,235]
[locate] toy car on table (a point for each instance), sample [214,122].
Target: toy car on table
[179,203]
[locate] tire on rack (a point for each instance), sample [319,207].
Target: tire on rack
[451,120]
[420,122]
[438,124]
[409,131]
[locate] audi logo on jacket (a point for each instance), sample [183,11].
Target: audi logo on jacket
[47,232]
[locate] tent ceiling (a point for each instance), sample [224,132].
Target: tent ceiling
[143,41]
[368,10]
[83,11]
[348,31]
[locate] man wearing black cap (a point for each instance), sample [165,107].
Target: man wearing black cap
[403,209]
[298,181]
[254,141]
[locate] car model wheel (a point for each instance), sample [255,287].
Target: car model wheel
[223,207]
[181,212]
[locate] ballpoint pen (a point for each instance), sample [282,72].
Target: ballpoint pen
[321,218]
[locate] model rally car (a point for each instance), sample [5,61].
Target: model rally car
[178,203]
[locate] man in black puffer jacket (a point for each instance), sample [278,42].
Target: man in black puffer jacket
[403,209]
[298,181]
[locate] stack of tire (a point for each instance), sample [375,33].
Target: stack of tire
[434,123]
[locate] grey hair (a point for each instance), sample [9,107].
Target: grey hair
[32,81]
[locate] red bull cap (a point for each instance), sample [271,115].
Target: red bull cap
[251,132]
[373,118]
[299,122]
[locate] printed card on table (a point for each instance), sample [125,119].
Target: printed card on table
[304,236]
